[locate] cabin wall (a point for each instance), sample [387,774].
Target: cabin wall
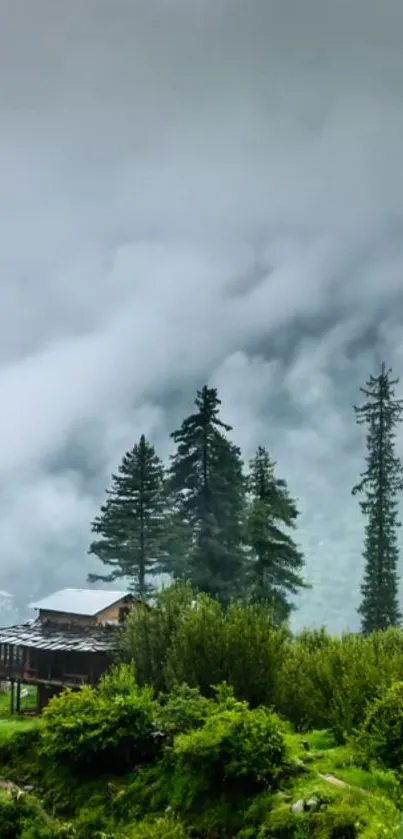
[113,613]
[110,615]
[63,618]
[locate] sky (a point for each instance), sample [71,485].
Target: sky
[195,192]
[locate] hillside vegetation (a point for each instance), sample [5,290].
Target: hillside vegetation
[215,723]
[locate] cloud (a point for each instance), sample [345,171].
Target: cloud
[194,191]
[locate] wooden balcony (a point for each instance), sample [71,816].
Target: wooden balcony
[31,676]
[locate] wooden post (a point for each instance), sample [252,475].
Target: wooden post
[12,697]
[39,699]
[18,702]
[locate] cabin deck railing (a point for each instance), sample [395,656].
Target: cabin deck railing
[30,675]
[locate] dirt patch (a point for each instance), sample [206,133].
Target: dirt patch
[337,782]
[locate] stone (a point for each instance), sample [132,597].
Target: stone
[312,804]
[298,807]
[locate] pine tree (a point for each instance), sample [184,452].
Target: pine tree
[132,523]
[276,562]
[381,482]
[206,478]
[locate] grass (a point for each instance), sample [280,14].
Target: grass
[372,796]
[375,793]
[327,758]
[28,700]
[10,725]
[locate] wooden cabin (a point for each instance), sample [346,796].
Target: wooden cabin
[70,643]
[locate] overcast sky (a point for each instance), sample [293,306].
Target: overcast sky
[194,190]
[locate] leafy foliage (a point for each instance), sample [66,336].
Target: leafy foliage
[188,765]
[381,483]
[148,633]
[380,736]
[22,817]
[109,726]
[336,679]
[236,749]
[165,827]
[239,645]
[195,641]
[183,709]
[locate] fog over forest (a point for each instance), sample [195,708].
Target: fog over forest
[191,192]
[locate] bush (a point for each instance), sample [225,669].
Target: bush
[239,645]
[148,632]
[336,679]
[236,751]
[22,817]
[380,737]
[165,827]
[112,726]
[183,709]
[20,745]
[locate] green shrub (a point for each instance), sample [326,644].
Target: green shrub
[237,750]
[148,633]
[239,645]
[380,736]
[22,817]
[334,680]
[335,819]
[20,744]
[165,827]
[102,728]
[93,823]
[183,709]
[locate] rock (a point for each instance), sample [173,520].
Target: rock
[305,745]
[28,787]
[312,804]
[298,807]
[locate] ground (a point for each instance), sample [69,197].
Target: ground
[324,772]
[28,700]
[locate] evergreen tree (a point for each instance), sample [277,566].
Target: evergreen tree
[381,482]
[132,524]
[207,481]
[276,562]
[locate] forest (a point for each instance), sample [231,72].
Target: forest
[232,532]
[215,720]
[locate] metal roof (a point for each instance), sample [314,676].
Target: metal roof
[80,601]
[45,636]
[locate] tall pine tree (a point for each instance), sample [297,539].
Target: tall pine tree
[276,561]
[132,524]
[206,479]
[380,483]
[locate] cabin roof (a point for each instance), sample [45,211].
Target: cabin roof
[80,601]
[42,635]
